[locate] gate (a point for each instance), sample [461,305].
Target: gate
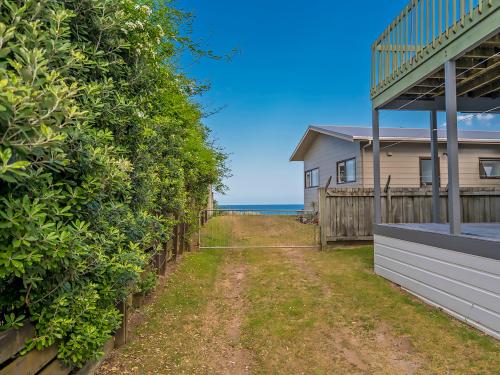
[257,228]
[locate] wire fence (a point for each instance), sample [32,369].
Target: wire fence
[258,228]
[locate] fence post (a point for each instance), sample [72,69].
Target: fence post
[200,225]
[322,217]
[157,262]
[163,264]
[389,216]
[175,240]
[187,239]
[121,333]
[182,244]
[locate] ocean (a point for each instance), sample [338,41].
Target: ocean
[265,209]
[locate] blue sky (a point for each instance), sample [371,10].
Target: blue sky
[299,63]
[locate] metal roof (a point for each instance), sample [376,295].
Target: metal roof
[358,133]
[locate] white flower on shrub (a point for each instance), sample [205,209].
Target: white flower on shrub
[144,8]
[134,25]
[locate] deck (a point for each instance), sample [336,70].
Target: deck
[440,55]
[476,239]
[408,57]
[486,231]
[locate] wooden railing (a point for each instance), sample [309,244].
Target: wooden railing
[422,26]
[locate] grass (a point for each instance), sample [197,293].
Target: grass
[443,344]
[164,342]
[283,319]
[294,311]
[247,230]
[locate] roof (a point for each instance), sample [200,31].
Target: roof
[357,133]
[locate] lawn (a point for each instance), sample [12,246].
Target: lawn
[294,311]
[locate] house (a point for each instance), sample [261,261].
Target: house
[431,59]
[342,156]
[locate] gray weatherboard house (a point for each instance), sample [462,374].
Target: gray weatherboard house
[343,156]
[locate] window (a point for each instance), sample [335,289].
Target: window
[312,178]
[426,172]
[489,168]
[346,171]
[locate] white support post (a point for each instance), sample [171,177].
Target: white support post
[377,193]
[454,209]
[436,204]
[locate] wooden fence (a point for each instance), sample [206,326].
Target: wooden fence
[347,214]
[45,362]
[40,362]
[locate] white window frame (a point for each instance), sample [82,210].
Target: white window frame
[344,162]
[484,176]
[308,178]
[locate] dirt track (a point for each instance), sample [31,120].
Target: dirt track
[294,311]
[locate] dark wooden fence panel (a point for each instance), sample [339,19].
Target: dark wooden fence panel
[13,340]
[347,214]
[30,363]
[39,362]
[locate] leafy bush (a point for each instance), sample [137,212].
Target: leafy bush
[147,282]
[101,150]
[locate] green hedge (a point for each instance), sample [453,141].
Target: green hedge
[101,149]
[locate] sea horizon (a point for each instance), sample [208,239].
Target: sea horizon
[265,209]
[281,206]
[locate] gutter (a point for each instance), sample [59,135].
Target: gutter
[427,140]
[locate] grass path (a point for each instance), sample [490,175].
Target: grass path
[295,311]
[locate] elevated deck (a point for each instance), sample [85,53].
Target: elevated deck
[440,55]
[408,57]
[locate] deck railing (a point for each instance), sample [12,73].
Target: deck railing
[422,26]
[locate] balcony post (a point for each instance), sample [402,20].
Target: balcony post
[454,210]
[436,204]
[377,193]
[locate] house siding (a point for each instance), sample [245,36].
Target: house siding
[466,286]
[404,164]
[324,153]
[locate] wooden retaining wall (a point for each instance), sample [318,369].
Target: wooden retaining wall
[39,362]
[45,362]
[347,214]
